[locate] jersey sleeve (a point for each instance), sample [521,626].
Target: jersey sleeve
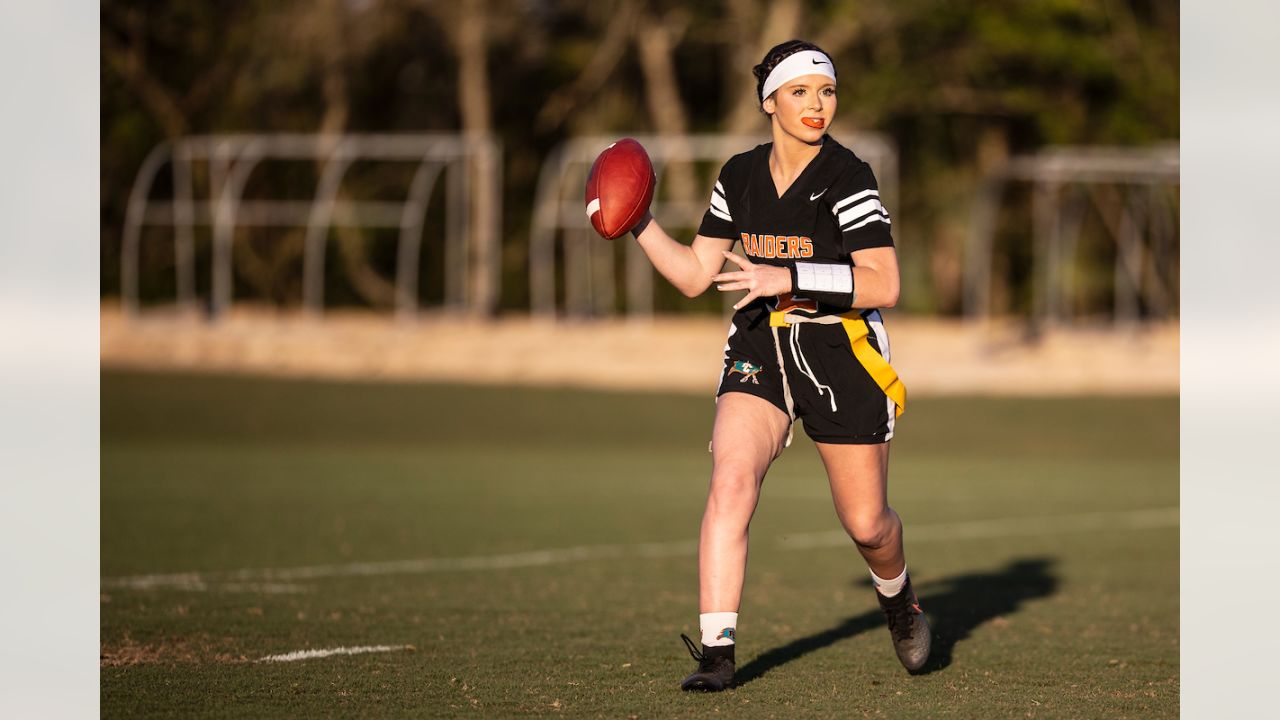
[717,221]
[863,220]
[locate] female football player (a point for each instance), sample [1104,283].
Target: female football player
[806,342]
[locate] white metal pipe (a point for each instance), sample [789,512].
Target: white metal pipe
[412,220]
[131,239]
[226,157]
[319,220]
[457,235]
[224,227]
[184,243]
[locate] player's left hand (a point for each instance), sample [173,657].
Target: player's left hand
[757,280]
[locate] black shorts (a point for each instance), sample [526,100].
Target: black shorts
[824,384]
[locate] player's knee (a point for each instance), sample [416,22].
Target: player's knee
[873,530]
[733,491]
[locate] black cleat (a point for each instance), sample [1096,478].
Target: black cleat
[715,667]
[908,626]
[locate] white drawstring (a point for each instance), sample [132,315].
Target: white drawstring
[797,354]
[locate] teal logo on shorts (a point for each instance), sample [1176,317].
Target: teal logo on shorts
[747,369]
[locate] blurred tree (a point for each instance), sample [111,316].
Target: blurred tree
[657,34]
[467,25]
[752,28]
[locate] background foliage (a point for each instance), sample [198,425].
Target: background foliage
[958,86]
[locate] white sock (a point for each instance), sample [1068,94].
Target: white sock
[889,588]
[718,628]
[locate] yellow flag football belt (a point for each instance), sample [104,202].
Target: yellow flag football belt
[857,328]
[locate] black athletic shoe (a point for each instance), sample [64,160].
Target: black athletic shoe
[715,667]
[908,626]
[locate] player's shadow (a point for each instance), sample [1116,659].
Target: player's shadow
[955,607]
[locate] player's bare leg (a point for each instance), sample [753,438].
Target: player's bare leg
[859,477]
[748,434]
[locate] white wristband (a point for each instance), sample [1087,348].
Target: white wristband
[824,277]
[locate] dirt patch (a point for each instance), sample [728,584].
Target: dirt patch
[680,354]
[196,650]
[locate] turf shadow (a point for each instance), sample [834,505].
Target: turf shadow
[967,601]
[955,606]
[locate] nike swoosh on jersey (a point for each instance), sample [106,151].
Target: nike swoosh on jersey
[817,195]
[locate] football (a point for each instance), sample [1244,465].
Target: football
[619,188]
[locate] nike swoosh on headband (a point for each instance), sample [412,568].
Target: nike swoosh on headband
[821,62]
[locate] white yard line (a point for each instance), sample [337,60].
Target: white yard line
[278,578]
[535,558]
[310,654]
[265,588]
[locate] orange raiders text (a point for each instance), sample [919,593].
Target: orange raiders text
[777,246]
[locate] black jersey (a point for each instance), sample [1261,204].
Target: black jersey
[832,209]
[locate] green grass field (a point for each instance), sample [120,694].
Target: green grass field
[243,518]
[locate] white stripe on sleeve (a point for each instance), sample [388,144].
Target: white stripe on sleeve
[719,207]
[873,218]
[861,210]
[835,209]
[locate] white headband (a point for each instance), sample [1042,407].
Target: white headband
[805,62]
